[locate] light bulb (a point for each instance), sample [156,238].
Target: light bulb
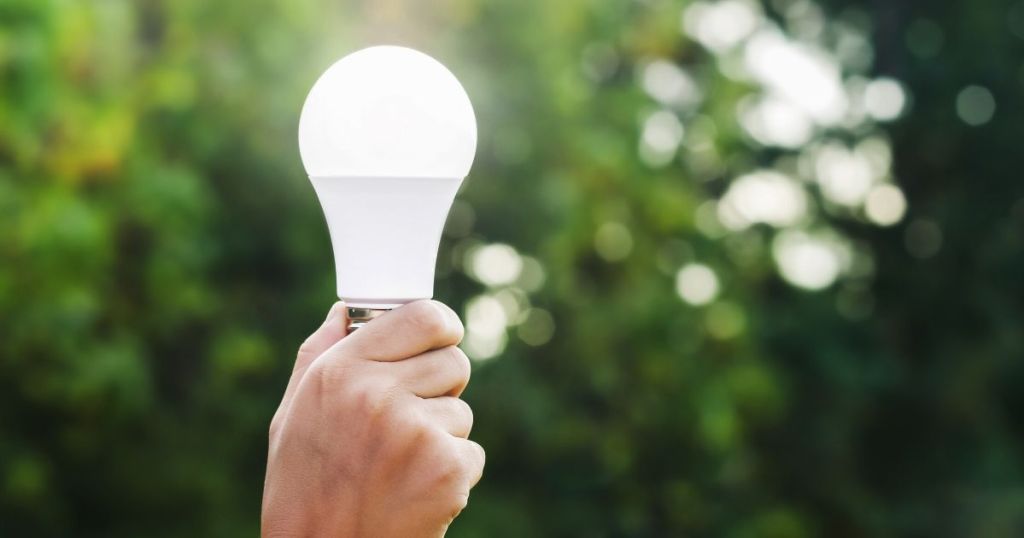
[387,135]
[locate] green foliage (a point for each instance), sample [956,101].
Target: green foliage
[162,256]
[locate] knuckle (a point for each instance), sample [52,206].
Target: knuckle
[453,471]
[458,503]
[427,318]
[463,411]
[372,398]
[463,417]
[453,493]
[413,437]
[306,350]
[450,473]
[365,393]
[417,430]
[463,407]
[329,378]
[472,466]
[275,426]
[455,325]
[455,322]
[460,362]
[318,379]
[478,466]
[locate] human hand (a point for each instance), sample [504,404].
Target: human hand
[370,438]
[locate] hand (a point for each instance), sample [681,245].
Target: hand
[370,438]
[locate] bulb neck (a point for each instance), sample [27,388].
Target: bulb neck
[359,316]
[385,234]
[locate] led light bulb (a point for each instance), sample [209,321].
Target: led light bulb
[387,134]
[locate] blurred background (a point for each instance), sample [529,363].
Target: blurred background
[733,268]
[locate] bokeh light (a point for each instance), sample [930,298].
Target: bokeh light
[763,197]
[697,284]
[670,85]
[721,25]
[494,265]
[885,205]
[885,99]
[810,261]
[613,241]
[975,105]
[485,322]
[662,134]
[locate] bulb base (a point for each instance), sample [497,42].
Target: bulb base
[360,316]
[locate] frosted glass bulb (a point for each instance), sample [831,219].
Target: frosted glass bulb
[387,111]
[387,134]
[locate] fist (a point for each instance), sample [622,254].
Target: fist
[370,438]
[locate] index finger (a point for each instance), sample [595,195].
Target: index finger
[331,331]
[404,332]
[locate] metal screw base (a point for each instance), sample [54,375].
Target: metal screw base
[358,317]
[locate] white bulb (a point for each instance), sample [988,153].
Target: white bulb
[387,135]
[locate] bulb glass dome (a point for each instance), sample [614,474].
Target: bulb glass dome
[387,111]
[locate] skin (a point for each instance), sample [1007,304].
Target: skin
[370,438]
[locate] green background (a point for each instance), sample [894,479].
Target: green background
[162,256]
